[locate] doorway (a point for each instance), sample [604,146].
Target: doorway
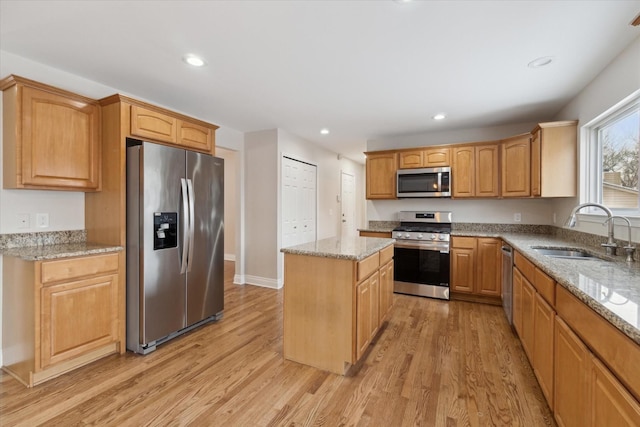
[348,204]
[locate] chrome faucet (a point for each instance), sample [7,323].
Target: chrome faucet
[629,250]
[610,246]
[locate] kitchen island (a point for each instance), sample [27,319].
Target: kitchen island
[337,294]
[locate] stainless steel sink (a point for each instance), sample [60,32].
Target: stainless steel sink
[565,253]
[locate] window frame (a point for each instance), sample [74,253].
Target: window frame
[591,155]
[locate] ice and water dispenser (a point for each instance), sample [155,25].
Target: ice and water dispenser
[165,227]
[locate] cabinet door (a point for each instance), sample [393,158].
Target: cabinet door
[381,176]
[535,164]
[517,301]
[528,303]
[386,290]
[516,167]
[570,378]
[463,266]
[363,317]
[436,157]
[374,284]
[78,317]
[60,144]
[463,171]
[147,123]
[611,404]
[411,159]
[543,321]
[489,267]
[487,171]
[198,137]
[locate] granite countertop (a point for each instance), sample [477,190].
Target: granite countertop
[56,251]
[608,285]
[351,248]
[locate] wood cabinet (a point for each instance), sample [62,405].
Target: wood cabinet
[476,267]
[51,138]
[611,404]
[517,301]
[543,343]
[377,234]
[65,314]
[571,362]
[381,169]
[516,166]
[424,158]
[334,307]
[554,151]
[476,170]
[528,306]
[165,127]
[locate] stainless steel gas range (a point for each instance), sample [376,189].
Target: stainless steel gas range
[421,254]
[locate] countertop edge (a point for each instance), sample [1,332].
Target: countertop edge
[297,250]
[51,252]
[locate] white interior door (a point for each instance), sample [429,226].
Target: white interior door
[298,202]
[348,204]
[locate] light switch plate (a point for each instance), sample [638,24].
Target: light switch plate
[42,220]
[517,217]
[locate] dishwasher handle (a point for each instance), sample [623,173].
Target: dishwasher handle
[507,250]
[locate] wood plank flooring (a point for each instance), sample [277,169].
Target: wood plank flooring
[434,364]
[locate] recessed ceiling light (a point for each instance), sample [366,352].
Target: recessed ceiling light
[540,62]
[402,1]
[439,116]
[324,131]
[194,60]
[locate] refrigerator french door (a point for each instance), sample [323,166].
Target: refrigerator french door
[175,242]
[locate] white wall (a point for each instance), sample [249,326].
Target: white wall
[263,153]
[617,81]
[230,196]
[475,210]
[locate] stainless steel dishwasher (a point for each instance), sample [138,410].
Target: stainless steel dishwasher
[507,281]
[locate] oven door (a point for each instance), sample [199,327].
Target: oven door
[421,269]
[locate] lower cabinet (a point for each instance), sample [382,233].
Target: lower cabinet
[575,354]
[67,312]
[333,307]
[476,267]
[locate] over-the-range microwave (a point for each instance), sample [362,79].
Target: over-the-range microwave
[425,182]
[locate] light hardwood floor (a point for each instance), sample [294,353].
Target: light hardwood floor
[434,364]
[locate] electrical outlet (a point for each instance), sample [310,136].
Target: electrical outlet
[42,220]
[22,220]
[517,217]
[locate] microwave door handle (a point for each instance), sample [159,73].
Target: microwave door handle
[439,181]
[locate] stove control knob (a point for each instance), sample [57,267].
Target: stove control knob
[407,235]
[433,237]
[420,236]
[441,237]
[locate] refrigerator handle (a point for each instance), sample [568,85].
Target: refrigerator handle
[192,220]
[185,226]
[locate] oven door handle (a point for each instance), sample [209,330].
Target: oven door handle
[441,249]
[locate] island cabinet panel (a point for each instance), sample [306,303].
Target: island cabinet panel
[331,312]
[51,138]
[64,314]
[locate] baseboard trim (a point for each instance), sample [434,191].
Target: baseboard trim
[264,282]
[230,257]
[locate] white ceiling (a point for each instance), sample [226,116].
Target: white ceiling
[363,69]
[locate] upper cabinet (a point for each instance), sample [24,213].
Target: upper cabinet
[381,175]
[166,127]
[475,170]
[424,158]
[516,166]
[554,158]
[51,138]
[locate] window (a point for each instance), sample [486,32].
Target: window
[613,156]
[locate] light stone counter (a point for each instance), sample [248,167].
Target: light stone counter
[351,248]
[63,250]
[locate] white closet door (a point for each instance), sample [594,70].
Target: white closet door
[348,202]
[298,202]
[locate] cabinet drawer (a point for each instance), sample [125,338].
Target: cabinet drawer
[54,271]
[525,266]
[386,255]
[368,266]
[151,124]
[545,286]
[463,242]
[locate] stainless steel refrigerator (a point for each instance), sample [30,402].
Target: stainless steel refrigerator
[175,242]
